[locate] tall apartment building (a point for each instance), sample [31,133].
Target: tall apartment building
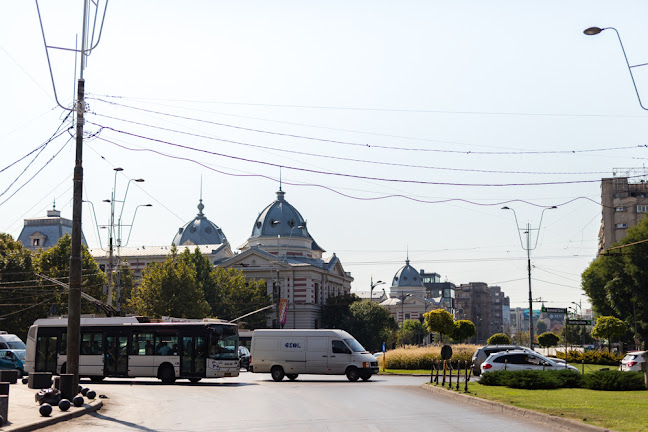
[624,203]
[437,289]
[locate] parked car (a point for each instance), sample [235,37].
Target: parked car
[244,358]
[633,360]
[482,354]
[521,360]
[13,359]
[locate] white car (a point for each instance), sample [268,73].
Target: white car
[632,361]
[521,360]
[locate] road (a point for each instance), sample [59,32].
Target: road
[253,402]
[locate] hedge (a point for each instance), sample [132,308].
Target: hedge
[613,380]
[592,357]
[412,357]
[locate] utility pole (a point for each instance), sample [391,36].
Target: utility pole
[74,295]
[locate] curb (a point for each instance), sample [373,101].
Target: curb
[535,416]
[60,417]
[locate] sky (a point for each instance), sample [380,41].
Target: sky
[398,129]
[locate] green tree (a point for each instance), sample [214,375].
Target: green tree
[371,324]
[548,339]
[55,262]
[499,339]
[412,332]
[336,313]
[22,299]
[123,278]
[463,329]
[170,289]
[439,321]
[617,282]
[541,327]
[608,327]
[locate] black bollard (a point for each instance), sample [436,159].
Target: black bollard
[436,379]
[450,379]
[432,373]
[458,373]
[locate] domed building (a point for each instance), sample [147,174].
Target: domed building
[282,251]
[199,231]
[408,296]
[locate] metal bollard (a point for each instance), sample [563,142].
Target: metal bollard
[458,373]
[450,369]
[467,377]
[436,379]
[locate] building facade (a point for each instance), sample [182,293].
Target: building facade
[44,232]
[484,306]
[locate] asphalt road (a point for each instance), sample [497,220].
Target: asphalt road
[253,402]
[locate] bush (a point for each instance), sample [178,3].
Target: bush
[412,357]
[548,339]
[592,357]
[499,339]
[533,379]
[615,380]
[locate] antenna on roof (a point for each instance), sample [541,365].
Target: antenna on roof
[279,179]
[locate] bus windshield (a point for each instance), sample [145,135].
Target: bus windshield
[223,344]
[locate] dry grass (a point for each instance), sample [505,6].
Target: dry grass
[414,357]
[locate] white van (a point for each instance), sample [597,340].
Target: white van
[293,352]
[10,341]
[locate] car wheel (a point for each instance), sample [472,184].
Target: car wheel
[365,377]
[166,374]
[292,377]
[277,373]
[352,373]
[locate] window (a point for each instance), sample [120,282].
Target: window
[142,344]
[642,209]
[620,209]
[621,225]
[91,343]
[36,242]
[340,348]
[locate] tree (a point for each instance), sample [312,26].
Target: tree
[22,299]
[411,332]
[499,339]
[170,289]
[371,324]
[608,327]
[463,329]
[55,262]
[541,327]
[123,278]
[439,321]
[336,313]
[548,339]
[617,282]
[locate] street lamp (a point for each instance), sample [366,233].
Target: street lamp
[133,221]
[528,249]
[592,31]
[374,285]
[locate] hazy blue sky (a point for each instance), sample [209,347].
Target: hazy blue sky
[400,125]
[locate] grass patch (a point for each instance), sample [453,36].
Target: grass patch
[618,410]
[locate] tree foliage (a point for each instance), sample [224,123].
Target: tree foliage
[463,329]
[371,324]
[411,332]
[608,327]
[541,326]
[499,339]
[439,321]
[617,283]
[23,300]
[548,339]
[232,296]
[336,313]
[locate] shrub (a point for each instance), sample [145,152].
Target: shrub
[496,378]
[548,339]
[412,357]
[499,339]
[592,357]
[533,379]
[615,380]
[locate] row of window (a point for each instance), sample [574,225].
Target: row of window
[640,209]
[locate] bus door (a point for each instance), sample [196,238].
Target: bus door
[116,354]
[193,355]
[46,350]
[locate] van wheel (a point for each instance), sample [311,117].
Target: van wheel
[194,380]
[166,374]
[352,373]
[277,373]
[365,377]
[96,378]
[292,377]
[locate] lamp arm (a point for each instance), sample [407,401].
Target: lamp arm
[634,84]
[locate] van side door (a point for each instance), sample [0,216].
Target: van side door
[317,355]
[339,356]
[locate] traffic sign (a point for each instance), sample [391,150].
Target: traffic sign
[579,322]
[555,310]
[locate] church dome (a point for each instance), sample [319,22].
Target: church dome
[199,231]
[280,219]
[407,276]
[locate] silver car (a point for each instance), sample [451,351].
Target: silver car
[521,360]
[632,361]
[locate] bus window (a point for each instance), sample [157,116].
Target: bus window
[166,344]
[46,354]
[92,343]
[143,344]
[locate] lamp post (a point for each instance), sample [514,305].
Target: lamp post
[528,249]
[374,285]
[593,31]
[289,238]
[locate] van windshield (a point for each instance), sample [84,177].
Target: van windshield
[355,345]
[16,345]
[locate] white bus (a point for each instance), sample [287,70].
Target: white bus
[137,347]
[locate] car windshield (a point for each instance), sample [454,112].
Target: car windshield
[20,354]
[16,345]
[355,345]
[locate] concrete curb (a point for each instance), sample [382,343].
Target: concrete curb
[535,416]
[60,416]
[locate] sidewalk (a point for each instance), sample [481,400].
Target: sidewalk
[24,415]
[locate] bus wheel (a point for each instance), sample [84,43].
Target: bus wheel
[352,373]
[292,377]
[277,373]
[96,378]
[166,374]
[194,380]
